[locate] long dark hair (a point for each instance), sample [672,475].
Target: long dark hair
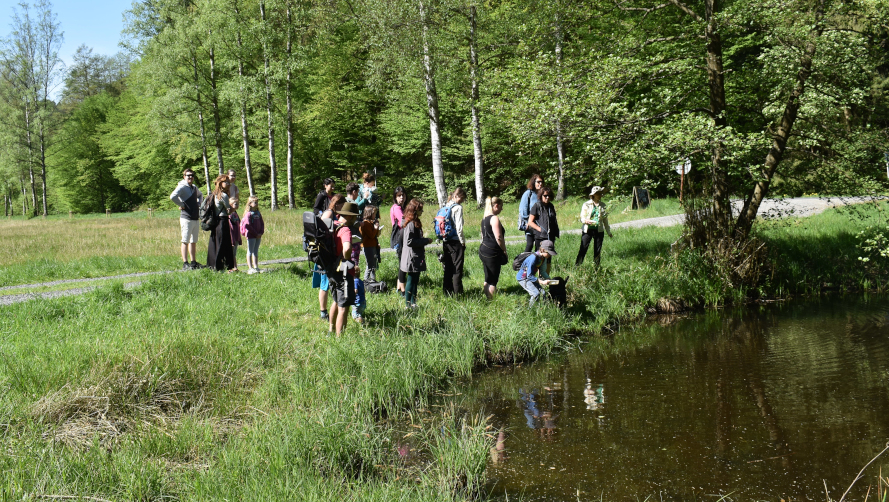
[411,213]
[395,194]
[534,177]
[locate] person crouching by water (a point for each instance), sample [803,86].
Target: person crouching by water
[595,224]
[219,249]
[413,255]
[342,283]
[531,267]
[492,250]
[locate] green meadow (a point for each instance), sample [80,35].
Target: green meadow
[199,385]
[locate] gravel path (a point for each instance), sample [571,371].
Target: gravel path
[771,208]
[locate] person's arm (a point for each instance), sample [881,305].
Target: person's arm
[345,236]
[532,224]
[603,218]
[544,270]
[528,267]
[457,213]
[176,197]
[318,207]
[585,214]
[524,205]
[495,227]
[554,225]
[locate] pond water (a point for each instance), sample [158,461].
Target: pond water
[768,403]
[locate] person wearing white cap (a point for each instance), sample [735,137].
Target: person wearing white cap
[595,224]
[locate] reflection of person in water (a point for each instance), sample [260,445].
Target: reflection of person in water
[594,398]
[548,417]
[498,451]
[529,407]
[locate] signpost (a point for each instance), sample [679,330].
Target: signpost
[684,167]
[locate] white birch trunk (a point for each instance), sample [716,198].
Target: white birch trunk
[268,105]
[291,202]
[476,129]
[194,63]
[560,192]
[214,103]
[432,102]
[245,133]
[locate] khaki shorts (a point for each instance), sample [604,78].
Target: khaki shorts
[190,229]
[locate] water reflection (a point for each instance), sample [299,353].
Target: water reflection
[769,404]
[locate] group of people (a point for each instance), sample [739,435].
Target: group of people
[356,218]
[225,236]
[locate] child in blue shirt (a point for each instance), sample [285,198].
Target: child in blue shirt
[527,274]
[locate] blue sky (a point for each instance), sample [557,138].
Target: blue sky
[96,23]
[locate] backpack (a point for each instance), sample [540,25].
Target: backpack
[444,224]
[319,243]
[375,287]
[519,259]
[209,215]
[395,240]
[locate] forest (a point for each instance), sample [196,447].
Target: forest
[763,97]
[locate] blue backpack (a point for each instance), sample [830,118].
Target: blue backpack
[444,224]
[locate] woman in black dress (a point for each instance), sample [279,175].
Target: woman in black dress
[492,250]
[220,253]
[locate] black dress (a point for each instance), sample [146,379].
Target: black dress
[220,253]
[490,253]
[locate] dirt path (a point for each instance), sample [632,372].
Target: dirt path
[771,208]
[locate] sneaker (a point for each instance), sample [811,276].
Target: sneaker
[196,266]
[186,266]
[251,271]
[324,315]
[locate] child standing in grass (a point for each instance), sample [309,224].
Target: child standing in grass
[235,229]
[252,227]
[370,231]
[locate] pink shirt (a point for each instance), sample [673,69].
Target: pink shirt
[396,215]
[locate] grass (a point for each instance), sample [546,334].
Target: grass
[39,250]
[197,386]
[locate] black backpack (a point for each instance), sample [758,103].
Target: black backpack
[375,287]
[209,215]
[318,242]
[518,260]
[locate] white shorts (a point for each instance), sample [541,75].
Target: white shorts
[190,230]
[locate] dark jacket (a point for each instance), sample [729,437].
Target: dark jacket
[413,255]
[545,218]
[321,202]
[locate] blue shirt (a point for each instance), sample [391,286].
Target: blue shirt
[530,267]
[529,198]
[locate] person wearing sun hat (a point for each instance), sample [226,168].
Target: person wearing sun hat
[342,283]
[595,224]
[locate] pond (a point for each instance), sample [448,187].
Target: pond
[768,403]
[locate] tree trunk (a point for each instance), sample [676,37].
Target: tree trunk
[779,140]
[432,102]
[560,192]
[291,202]
[197,90]
[716,81]
[476,129]
[214,103]
[268,105]
[43,167]
[30,158]
[245,133]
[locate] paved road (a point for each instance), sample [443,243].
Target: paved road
[771,208]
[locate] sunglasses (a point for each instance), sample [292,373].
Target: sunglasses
[546,195]
[189,176]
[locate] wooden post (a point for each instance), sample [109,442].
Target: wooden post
[70,214]
[108,213]
[149,212]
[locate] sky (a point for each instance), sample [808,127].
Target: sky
[96,23]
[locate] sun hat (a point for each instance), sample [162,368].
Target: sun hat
[349,209]
[597,189]
[549,247]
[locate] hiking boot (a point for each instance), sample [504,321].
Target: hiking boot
[324,315]
[196,266]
